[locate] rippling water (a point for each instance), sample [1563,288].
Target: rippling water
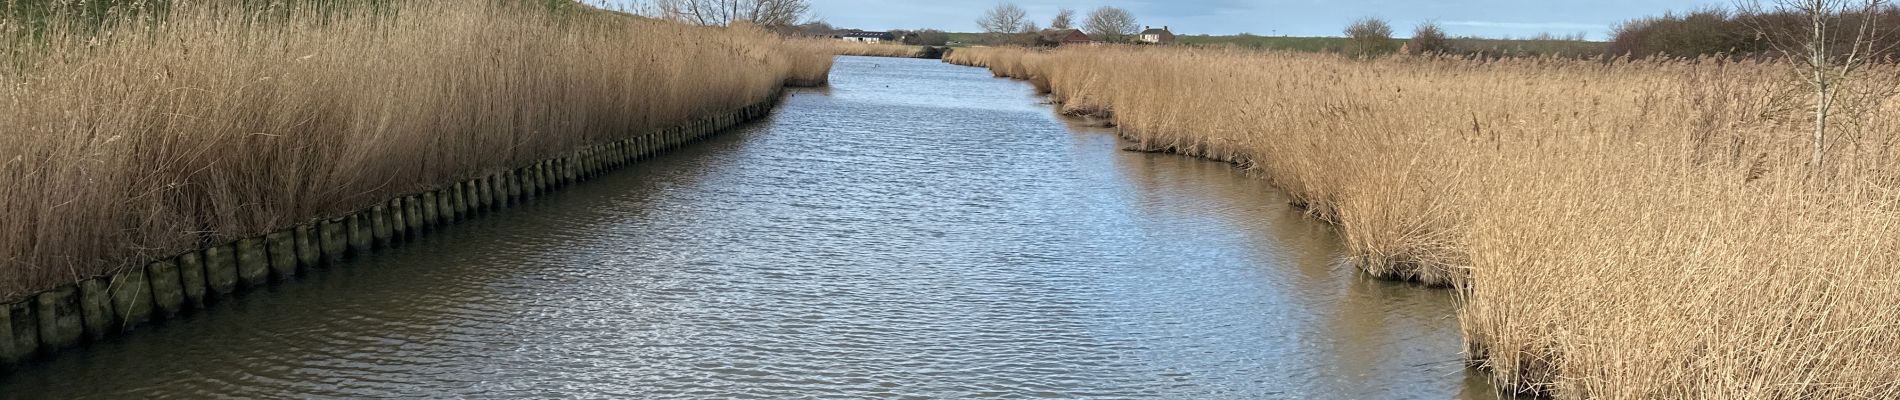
[917,230]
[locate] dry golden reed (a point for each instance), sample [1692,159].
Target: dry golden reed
[1615,229]
[845,48]
[141,142]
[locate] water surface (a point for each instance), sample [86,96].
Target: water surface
[917,230]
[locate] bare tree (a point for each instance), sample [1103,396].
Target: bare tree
[1428,38]
[1110,24]
[1065,19]
[1369,37]
[1830,48]
[774,14]
[1005,18]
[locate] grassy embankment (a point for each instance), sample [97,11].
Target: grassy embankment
[845,48]
[1496,47]
[1321,44]
[127,139]
[1615,230]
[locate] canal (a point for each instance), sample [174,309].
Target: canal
[916,230]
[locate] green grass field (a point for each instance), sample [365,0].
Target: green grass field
[1319,44]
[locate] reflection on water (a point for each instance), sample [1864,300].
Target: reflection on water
[918,230]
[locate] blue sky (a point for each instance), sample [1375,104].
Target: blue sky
[1492,18]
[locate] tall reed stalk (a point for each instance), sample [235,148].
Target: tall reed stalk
[1618,229]
[121,143]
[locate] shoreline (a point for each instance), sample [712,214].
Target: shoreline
[73,315]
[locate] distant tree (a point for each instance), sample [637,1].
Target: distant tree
[1110,24]
[1004,19]
[928,37]
[1832,45]
[1065,19]
[771,14]
[1703,31]
[1429,38]
[1369,37]
[814,28]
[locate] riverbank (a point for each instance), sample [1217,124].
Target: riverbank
[1600,221]
[751,265]
[254,146]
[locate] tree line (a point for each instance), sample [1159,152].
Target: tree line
[1008,23]
[1754,30]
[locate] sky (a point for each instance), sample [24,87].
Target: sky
[1489,18]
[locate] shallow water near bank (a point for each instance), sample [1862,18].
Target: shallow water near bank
[916,230]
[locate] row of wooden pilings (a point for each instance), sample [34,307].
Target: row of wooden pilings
[97,309]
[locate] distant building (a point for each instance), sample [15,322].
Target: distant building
[1062,37]
[1150,35]
[868,37]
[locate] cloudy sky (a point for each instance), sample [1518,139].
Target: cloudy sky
[1493,18]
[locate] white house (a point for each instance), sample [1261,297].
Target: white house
[868,37]
[1157,36]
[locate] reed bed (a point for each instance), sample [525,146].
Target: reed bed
[121,144]
[1621,229]
[844,48]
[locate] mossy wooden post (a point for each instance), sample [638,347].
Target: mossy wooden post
[576,167]
[282,247]
[333,238]
[530,181]
[444,206]
[510,189]
[253,261]
[398,222]
[583,164]
[538,174]
[221,271]
[95,304]
[458,202]
[492,192]
[567,171]
[25,330]
[168,294]
[10,353]
[431,211]
[546,176]
[496,194]
[596,161]
[132,298]
[379,229]
[412,210]
[471,198]
[465,199]
[518,183]
[472,194]
[561,173]
[61,324]
[309,246]
[471,204]
[191,279]
[360,239]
